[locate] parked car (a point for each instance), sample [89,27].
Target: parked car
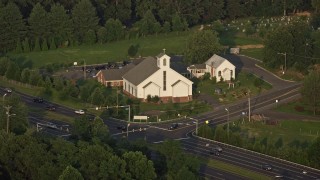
[80,111]
[173,126]
[7,90]
[266,167]
[51,108]
[38,100]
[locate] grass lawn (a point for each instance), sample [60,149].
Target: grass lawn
[256,53]
[296,107]
[109,52]
[233,38]
[288,130]
[243,84]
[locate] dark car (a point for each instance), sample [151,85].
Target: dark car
[217,148]
[123,128]
[173,126]
[266,167]
[38,100]
[214,152]
[51,108]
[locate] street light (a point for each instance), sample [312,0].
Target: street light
[228,122]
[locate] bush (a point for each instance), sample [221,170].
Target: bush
[299,108]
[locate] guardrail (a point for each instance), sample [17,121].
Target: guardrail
[254,152]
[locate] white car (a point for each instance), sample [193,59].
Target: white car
[79,111]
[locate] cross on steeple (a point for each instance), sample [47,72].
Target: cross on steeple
[164,50]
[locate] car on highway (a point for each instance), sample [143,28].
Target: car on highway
[80,111]
[38,100]
[214,152]
[173,126]
[266,167]
[51,108]
[7,90]
[121,127]
[217,148]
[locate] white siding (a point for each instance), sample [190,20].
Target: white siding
[152,89]
[180,89]
[227,67]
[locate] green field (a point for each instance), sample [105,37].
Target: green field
[288,130]
[109,52]
[256,53]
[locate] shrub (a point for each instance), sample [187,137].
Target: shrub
[299,108]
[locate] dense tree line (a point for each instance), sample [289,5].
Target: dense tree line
[41,25]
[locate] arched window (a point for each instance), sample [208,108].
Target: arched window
[164,62]
[219,73]
[231,74]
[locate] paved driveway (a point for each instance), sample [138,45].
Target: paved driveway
[248,64]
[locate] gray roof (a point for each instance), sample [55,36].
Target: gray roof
[116,74]
[198,66]
[215,61]
[177,64]
[142,71]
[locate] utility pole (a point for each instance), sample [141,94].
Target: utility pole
[8,116]
[249,108]
[84,70]
[228,122]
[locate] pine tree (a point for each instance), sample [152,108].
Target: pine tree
[52,44]
[19,46]
[84,17]
[38,22]
[44,44]
[26,45]
[37,45]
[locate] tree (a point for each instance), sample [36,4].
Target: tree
[311,90]
[209,15]
[313,153]
[118,10]
[37,45]
[70,173]
[19,47]
[12,27]
[90,158]
[4,64]
[115,30]
[53,44]
[178,23]
[133,50]
[139,166]
[26,45]
[114,168]
[166,27]
[44,46]
[60,25]
[97,97]
[84,18]
[90,37]
[201,46]
[147,24]
[102,35]
[234,9]
[316,5]
[13,71]
[38,22]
